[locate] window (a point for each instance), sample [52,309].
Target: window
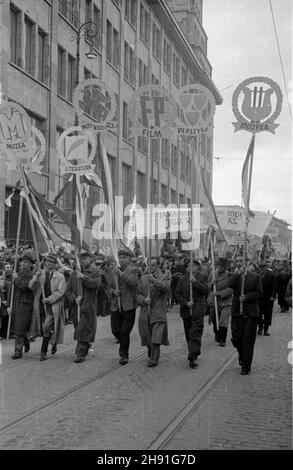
[164,194]
[130,11]
[173,197]
[155,81]
[88,11]
[126,184]
[69,9]
[174,158]
[61,89]
[143,144]
[97,43]
[42,57]
[155,149]
[143,73]
[144,24]
[71,77]
[184,76]
[116,49]
[129,63]
[165,145]
[15,32]
[140,189]
[125,121]
[109,41]
[182,166]
[29,46]
[167,56]
[157,42]
[113,45]
[176,70]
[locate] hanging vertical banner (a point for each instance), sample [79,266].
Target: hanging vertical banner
[198,107]
[152,110]
[94,98]
[257,103]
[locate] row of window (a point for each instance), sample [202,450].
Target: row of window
[33,55]
[29,45]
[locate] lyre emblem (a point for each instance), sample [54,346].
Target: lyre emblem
[256,107]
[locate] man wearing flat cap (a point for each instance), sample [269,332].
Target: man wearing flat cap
[123,284]
[192,311]
[223,294]
[244,323]
[22,307]
[53,283]
[82,291]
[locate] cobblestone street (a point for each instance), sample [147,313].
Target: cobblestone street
[98,405]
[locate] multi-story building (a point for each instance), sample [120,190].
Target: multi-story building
[138,42]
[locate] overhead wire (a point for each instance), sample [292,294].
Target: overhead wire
[280,57]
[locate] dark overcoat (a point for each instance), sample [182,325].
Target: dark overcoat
[252,291]
[87,325]
[199,292]
[23,299]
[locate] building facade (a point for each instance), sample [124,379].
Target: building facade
[138,42]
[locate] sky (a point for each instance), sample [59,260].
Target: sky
[242,44]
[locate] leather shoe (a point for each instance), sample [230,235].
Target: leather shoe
[16,356]
[193,364]
[266,333]
[244,371]
[79,359]
[54,349]
[152,363]
[222,344]
[123,361]
[43,357]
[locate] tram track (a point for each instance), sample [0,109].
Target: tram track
[73,390]
[165,436]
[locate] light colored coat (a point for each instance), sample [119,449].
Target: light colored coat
[58,287]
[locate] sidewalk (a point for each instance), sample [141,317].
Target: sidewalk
[248,412]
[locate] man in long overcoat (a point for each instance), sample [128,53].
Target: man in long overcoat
[122,287]
[89,280]
[244,325]
[193,311]
[223,294]
[53,283]
[22,307]
[152,323]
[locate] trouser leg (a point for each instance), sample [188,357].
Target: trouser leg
[19,343]
[268,315]
[116,323]
[82,348]
[236,330]
[155,353]
[223,334]
[126,328]
[248,341]
[44,348]
[195,335]
[187,326]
